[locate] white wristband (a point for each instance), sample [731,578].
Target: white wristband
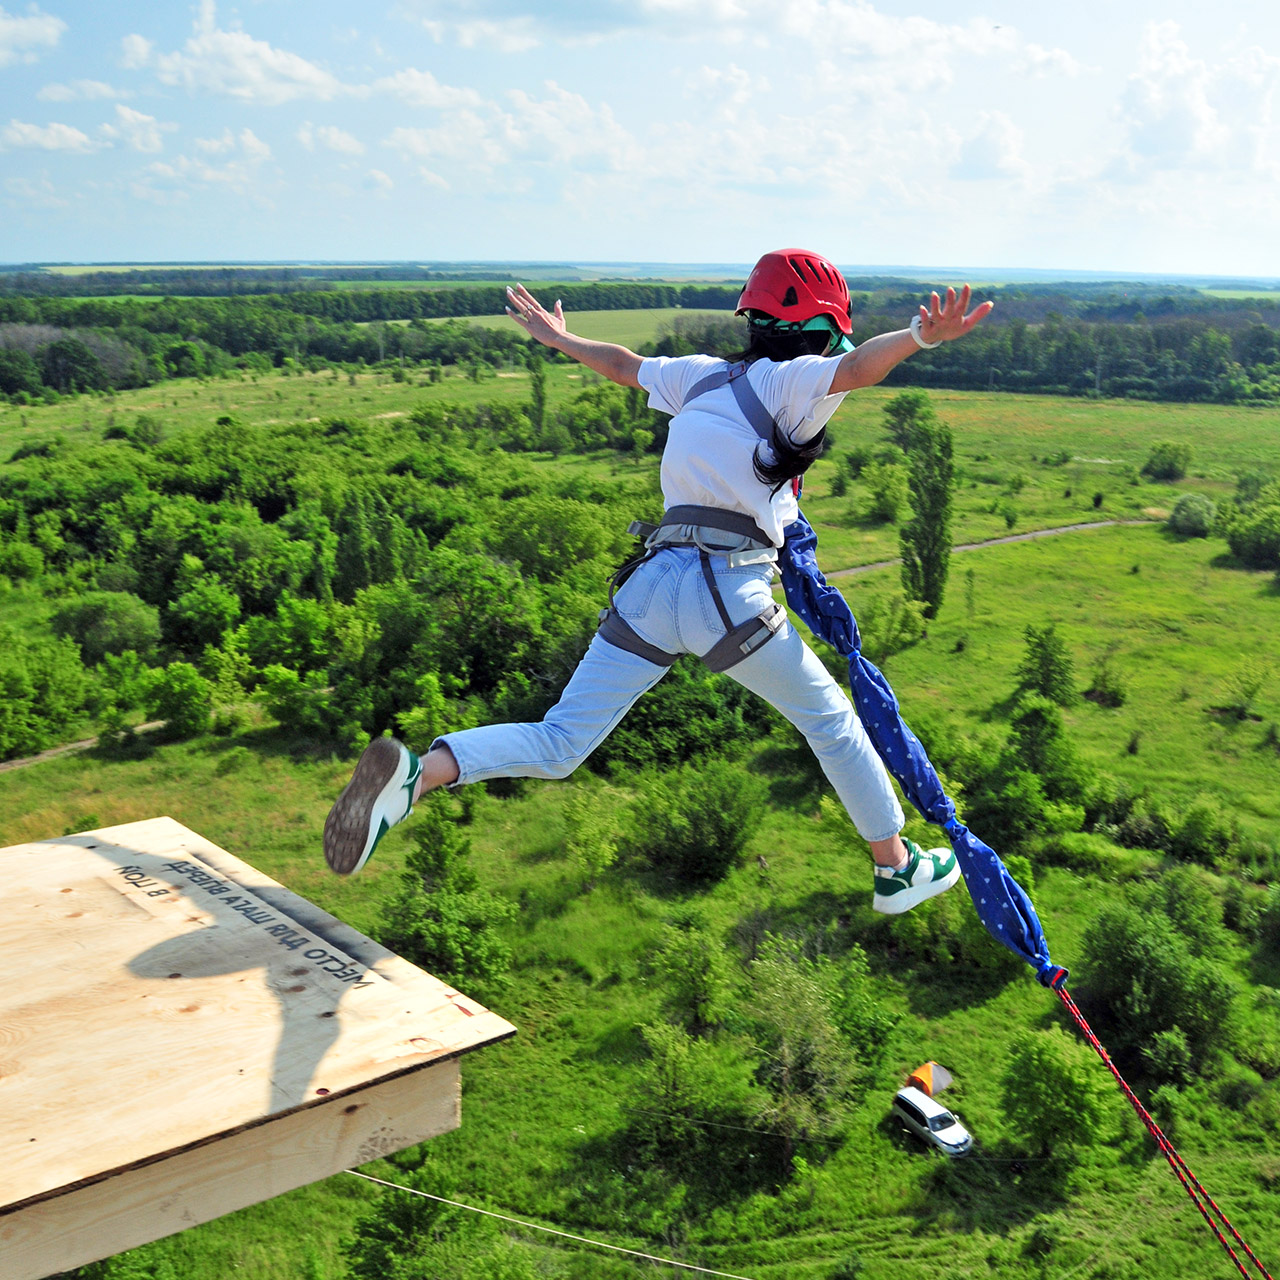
[920,342]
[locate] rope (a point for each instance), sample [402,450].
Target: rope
[533,1226]
[1199,1196]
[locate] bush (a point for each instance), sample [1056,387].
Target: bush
[695,822]
[183,698]
[1193,516]
[1167,461]
[108,622]
[889,624]
[1141,970]
[1051,1092]
[1106,688]
[441,919]
[887,491]
[1204,832]
[1254,535]
[20,561]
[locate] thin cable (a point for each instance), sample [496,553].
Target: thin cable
[533,1226]
[1199,1196]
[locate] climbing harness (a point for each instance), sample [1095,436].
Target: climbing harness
[705,528]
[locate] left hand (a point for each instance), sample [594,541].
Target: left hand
[944,320]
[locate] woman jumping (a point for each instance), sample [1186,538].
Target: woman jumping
[740,435]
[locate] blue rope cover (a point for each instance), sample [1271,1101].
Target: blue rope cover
[1001,902]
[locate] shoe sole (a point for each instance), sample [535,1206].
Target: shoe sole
[350,831]
[909,898]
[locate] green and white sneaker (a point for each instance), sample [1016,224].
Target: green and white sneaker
[926,875]
[379,795]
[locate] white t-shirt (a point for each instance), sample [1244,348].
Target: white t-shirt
[707,461]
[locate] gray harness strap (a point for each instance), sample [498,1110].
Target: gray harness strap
[758,417]
[743,640]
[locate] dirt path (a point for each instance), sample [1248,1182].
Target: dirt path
[993,542]
[71,748]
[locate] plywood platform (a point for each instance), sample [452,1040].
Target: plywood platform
[181,1036]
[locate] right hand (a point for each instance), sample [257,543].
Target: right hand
[540,324]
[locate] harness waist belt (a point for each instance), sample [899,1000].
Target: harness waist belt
[734,522]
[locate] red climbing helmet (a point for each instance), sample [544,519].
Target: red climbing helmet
[796,285]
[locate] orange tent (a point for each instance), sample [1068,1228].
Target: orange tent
[930,1078]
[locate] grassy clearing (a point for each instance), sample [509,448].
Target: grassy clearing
[540,1109]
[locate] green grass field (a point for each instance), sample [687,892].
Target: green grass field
[1176,617]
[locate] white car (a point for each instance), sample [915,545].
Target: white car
[930,1121]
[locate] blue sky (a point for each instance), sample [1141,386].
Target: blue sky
[984,133]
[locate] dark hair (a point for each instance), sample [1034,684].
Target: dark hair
[790,460]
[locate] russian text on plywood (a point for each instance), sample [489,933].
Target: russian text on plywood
[183,1036]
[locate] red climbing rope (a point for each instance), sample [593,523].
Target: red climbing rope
[1199,1196]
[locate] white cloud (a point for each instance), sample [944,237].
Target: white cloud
[1181,112]
[20,37]
[376,180]
[50,137]
[728,86]
[136,130]
[422,89]
[232,161]
[39,193]
[331,138]
[557,137]
[135,52]
[77,90]
[993,151]
[1166,104]
[234,63]
[509,35]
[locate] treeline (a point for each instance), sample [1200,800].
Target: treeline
[215,281]
[63,346]
[1169,346]
[1226,358]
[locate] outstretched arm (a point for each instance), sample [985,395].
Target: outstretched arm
[616,363]
[943,320]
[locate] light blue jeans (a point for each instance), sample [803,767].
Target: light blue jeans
[667,601]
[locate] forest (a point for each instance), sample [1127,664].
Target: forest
[709,1010]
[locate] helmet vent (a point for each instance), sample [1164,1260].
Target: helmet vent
[789,298]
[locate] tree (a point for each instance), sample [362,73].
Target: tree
[18,373]
[809,1072]
[68,365]
[1046,666]
[537,410]
[1038,742]
[203,614]
[1193,516]
[1053,1092]
[1141,970]
[688,1090]
[592,831]
[925,539]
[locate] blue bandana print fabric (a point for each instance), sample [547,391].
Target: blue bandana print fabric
[1001,902]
